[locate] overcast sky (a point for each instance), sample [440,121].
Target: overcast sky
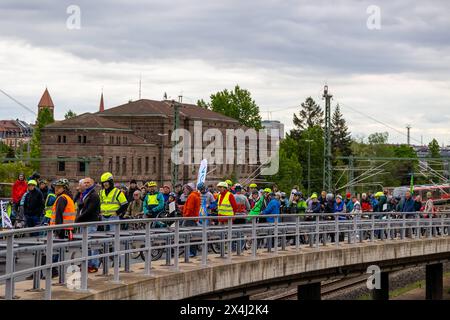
[282,51]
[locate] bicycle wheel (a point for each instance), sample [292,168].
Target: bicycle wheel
[138,254]
[156,254]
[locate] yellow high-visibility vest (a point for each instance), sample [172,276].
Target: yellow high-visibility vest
[225,208]
[48,209]
[109,204]
[152,199]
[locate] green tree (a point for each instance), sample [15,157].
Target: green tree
[340,136]
[70,114]
[379,138]
[201,103]
[310,115]
[434,151]
[44,118]
[237,104]
[290,170]
[301,150]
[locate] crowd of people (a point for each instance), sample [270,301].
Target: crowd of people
[36,202]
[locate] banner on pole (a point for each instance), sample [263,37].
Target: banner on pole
[202,171]
[6,221]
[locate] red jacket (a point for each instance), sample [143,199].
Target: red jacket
[18,190]
[192,206]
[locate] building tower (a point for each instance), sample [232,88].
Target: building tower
[46,102]
[102,105]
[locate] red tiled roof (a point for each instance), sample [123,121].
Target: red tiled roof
[87,121]
[46,100]
[164,109]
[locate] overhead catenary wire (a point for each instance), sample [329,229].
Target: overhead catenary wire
[18,102]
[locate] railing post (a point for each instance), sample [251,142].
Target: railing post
[275,238]
[317,235]
[389,236]
[116,255]
[105,259]
[148,251]
[372,231]
[402,234]
[205,243]
[297,233]
[62,268]
[9,283]
[84,255]
[37,274]
[127,256]
[430,228]
[229,238]
[176,244]
[49,260]
[336,230]
[254,240]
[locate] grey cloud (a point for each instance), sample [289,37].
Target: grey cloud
[299,33]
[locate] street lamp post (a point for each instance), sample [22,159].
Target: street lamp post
[161,167]
[309,165]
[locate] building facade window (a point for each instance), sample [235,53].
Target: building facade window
[124,166]
[139,165]
[84,139]
[117,165]
[64,139]
[154,164]
[147,164]
[82,166]
[110,164]
[59,139]
[61,166]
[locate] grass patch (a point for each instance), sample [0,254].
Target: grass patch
[403,290]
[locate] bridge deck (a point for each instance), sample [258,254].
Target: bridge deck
[193,280]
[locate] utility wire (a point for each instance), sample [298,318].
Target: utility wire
[18,102]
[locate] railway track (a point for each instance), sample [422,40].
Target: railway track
[327,288]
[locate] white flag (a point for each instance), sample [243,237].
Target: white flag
[6,222]
[202,171]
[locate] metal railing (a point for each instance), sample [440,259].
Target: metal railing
[226,239]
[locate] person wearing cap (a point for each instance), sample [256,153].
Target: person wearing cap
[18,190]
[178,189]
[242,204]
[131,189]
[348,202]
[165,192]
[153,201]
[48,206]
[273,207]
[207,198]
[43,187]
[229,183]
[254,198]
[191,209]
[171,211]
[135,208]
[314,205]
[226,203]
[252,187]
[113,202]
[63,211]
[33,205]
[89,211]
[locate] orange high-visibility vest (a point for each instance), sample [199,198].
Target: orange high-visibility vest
[69,213]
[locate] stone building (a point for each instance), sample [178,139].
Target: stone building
[133,140]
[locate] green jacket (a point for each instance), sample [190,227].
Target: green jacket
[256,209]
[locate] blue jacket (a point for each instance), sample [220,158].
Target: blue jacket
[273,207]
[154,209]
[408,205]
[339,208]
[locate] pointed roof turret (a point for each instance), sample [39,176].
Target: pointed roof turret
[102,105]
[46,100]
